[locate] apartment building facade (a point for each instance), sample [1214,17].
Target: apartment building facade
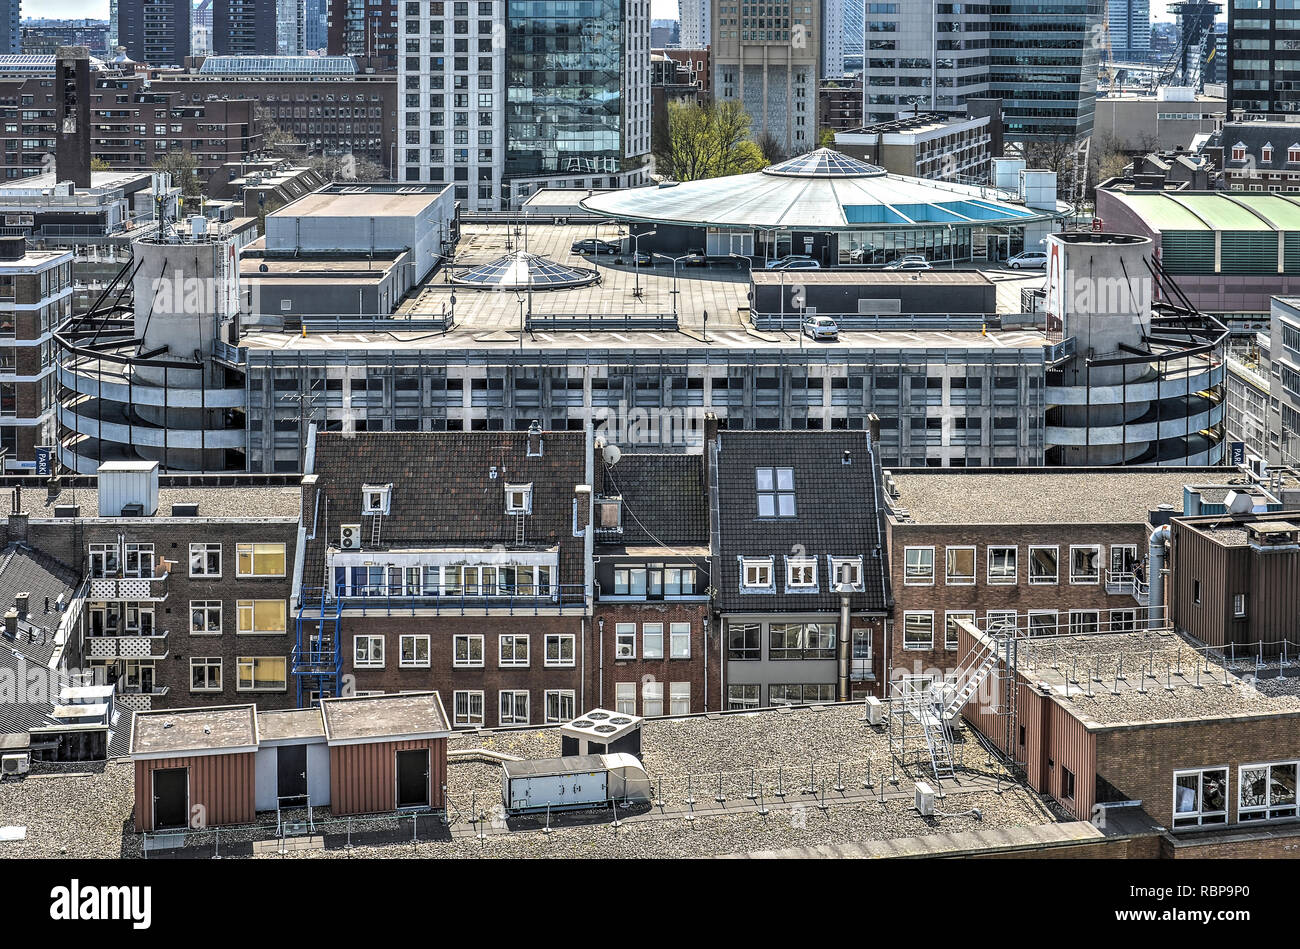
[156,32]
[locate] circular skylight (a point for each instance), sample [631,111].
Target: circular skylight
[523,271]
[824,163]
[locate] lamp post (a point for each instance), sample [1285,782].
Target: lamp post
[674,292]
[636,264]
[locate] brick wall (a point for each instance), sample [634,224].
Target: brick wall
[704,652]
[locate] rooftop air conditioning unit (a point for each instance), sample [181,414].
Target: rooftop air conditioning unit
[350,537]
[924,799]
[875,711]
[15,764]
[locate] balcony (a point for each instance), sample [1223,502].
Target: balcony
[138,589]
[133,698]
[129,645]
[385,600]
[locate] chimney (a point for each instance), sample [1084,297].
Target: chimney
[873,426]
[20,603]
[710,442]
[535,439]
[582,505]
[16,532]
[11,624]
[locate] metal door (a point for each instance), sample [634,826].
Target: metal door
[171,798]
[291,763]
[413,778]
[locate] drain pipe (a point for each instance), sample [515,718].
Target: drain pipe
[1156,568]
[845,648]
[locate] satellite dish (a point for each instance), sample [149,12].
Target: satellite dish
[611,454]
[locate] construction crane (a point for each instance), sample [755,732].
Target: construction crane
[1196,24]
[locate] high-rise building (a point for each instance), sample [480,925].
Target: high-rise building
[156,32]
[1263,52]
[502,97]
[258,27]
[10,35]
[316,28]
[367,28]
[833,38]
[1129,24]
[695,19]
[768,58]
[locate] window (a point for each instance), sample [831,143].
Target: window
[467,650]
[512,649]
[560,649]
[1200,797]
[652,699]
[801,641]
[519,498]
[775,488]
[261,616]
[205,560]
[680,641]
[1000,621]
[1085,564]
[918,630]
[261,673]
[1067,784]
[414,652]
[959,566]
[375,498]
[139,560]
[756,574]
[1083,621]
[1238,605]
[514,707]
[950,640]
[796,694]
[561,705]
[103,560]
[467,709]
[625,640]
[1123,621]
[742,696]
[1042,622]
[1002,565]
[205,617]
[744,641]
[918,566]
[847,572]
[205,673]
[625,698]
[652,640]
[368,652]
[1196,592]
[800,573]
[1044,566]
[1266,791]
[679,698]
[259,560]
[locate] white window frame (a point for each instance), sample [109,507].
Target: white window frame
[415,663]
[763,576]
[625,698]
[624,641]
[558,640]
[1055,625]
[1197,818]
[1127,616]
[208,662]
[526,490]
[512,698]
[369,662]
[1029,566]
[1258,813]
[947,566]
[837,564]
[1000,579]
[206,606]
[652,698]
[1079,617]
[251,548]
[1096,549]
[559,697]
[469,639]
[467,718]
[652,640]
[679,640]
[929,614]
[994,617]
[384,492]
[513,640]
[206,549]
[679,698]
[910,573]
[1238,606]
[948,617]
[801,573]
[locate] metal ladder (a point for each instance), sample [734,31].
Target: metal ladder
[375,529]
[519,530]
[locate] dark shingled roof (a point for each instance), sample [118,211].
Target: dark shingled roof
[837,514]
[443,493]
[24,570]
[663,496]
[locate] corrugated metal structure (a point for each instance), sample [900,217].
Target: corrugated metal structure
[221,784]
[363,777]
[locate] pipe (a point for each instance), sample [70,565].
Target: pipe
[1156,566]
[844,648]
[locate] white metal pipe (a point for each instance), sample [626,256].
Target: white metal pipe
[1156,589]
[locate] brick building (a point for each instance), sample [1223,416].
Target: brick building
[1044,551]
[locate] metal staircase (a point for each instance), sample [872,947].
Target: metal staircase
[968,678]
[317,660]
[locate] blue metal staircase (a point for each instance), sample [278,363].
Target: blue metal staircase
[317,653]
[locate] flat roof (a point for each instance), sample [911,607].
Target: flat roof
[286,724]
[384,717]
[216,730]
[361,201]
[234,501]
[1041,495]
[891,278]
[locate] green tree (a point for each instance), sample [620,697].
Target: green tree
[184,171]
[98,164]
[707,141]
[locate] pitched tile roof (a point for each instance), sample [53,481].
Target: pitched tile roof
[665,501]
[25,570]
[837,514]
[444,491]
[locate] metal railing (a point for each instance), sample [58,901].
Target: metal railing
[602,321]
[399,598]
[916,322]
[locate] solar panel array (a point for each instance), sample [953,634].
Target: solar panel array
[521,270]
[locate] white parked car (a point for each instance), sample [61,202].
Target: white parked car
[1029,260]
[821,327]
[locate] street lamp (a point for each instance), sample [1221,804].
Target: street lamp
[636,264]
[674,292]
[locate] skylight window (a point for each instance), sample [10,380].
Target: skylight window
[775,488]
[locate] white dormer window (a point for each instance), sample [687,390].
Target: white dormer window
[1239,151]
[801,573]
[846,573]
[1293,153]
[756,573]
[376,498]
[519,498]
[1266,153]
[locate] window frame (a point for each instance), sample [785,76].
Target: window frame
[1054,614]
[250,605]
[647,634]
[1197,817]
[1096,548]
[948,575]
[559,696]
[929,646]
[467,720]
[207,662]
[1029,568]
[469,662]
[371,639]
[514,717]
[206,606]
[624,642]
[205,549]
[993,579]
[675,630]
[766,564]
[804,565]
[948,617]
[514,639]
[908,570]
[621,692]
[775,493]
[241,660]
[1268,811]
[560,663]
[403,663]
[250,549]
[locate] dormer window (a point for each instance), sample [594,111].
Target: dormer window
[1293,154]
[609,515]
[1239,151]
[775,487]
[1266,153]
[846,573]
[801,573]
[756,574]
[519,498]
[375,498]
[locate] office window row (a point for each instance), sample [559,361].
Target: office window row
[514,707]
[1002,564]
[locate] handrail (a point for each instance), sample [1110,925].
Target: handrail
[389,597]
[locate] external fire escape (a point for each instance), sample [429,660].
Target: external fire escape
[317,652]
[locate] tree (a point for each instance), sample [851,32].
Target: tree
[98,164]
[826,138]
[184,171]
[276,142]
[347,167]
[705,141]
[771,147]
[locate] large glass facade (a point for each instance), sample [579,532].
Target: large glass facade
[564,97]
